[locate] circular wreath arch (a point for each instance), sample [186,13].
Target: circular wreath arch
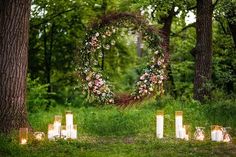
[151,80]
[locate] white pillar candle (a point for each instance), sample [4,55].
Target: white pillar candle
[57,125]
[159,124]
[50,132]
[182,133]
[69,118]
[213,135]
[63,132]
[178,123]
[69,123]
[57,128]
[74,134]
[219,136]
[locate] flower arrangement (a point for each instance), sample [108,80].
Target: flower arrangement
[153,75]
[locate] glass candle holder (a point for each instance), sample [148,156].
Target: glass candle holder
[178,124]
[23,135]
[39,136]
[160,124]
[187,132]
[199,134]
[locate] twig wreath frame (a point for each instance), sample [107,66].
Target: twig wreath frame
[151,80]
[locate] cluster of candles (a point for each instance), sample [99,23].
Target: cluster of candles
[68,131]
[55,130]
[218,133]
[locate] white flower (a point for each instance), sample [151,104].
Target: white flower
[97,34]
[87,78]
[90,84]
[97,76]
[111,100]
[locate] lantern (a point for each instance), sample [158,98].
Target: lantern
[226,135]
[39,136]
[159,124]
[179,131]
[23,135]
[199,134]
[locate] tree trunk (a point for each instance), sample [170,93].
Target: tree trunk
[139,44]
[166,29]
[14,26]
[203,49]
[232,28]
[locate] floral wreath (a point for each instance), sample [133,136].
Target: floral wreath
[153,75]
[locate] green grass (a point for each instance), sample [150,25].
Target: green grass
[128,132]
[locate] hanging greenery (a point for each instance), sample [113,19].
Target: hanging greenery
[153,75]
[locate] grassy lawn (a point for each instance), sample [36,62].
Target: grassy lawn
[126,132]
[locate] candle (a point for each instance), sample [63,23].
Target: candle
[178,123]
[23,141]
[74,132]
[50,132]
[69,118]
[219,134]
[69,123]
[63,132]
[159,124]
[216,133]
[23,135]
[57,125]
[182,133]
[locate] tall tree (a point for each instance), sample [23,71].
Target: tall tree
[14,21]
[203,49]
